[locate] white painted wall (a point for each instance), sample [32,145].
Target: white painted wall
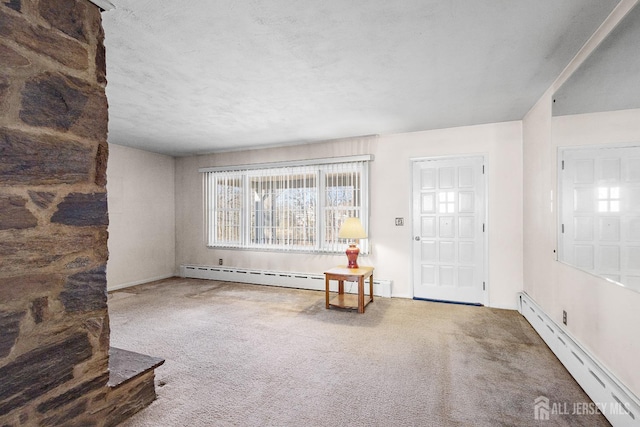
[390,198]
[141,197]
[602,316]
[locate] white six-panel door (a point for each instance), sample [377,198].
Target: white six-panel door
[448,229]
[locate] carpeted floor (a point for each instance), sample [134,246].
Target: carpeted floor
[249,355]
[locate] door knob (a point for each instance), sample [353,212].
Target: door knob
[417,238]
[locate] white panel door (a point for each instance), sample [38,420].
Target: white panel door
[600,212]
[448,230]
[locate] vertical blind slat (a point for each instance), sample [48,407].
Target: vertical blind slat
[286,208]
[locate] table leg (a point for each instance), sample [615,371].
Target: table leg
[326,293]
[371,287]
[341,287]
[360,294]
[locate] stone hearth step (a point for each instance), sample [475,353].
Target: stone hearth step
[125,365]
[131,382]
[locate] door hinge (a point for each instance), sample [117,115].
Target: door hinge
[563,165]
[483,228]
[482,169]
[562,228]
[484,286]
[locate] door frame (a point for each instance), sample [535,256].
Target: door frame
[487,227]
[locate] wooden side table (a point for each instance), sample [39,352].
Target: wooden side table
[343,273]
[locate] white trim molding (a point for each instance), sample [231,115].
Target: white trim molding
[616,402]
[137,282]
[284,279]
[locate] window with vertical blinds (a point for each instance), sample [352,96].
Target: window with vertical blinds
[285,207]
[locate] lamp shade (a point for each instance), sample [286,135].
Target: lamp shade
[351,228]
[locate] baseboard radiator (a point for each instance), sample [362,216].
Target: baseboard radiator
[277,278]
[613,399]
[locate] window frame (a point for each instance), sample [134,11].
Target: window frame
[246,174]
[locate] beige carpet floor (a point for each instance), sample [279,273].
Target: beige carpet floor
[249,355]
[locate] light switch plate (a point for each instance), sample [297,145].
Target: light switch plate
[399,222]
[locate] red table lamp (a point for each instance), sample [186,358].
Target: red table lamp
[351,228]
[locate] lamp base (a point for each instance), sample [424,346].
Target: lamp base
[352,255]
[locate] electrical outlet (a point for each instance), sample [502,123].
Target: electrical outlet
[220,261]
[564,317]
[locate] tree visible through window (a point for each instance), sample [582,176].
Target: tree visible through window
[285,208]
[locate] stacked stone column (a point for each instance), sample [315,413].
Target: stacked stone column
[54,324]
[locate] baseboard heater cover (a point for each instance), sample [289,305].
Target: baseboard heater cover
[310,281]
[617,403]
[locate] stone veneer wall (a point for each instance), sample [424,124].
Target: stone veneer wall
[54,324]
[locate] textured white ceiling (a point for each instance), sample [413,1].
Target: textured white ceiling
[202,76]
